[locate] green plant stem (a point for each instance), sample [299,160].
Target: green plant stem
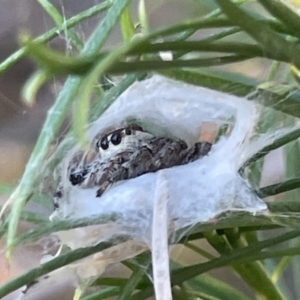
[203,45]
[278,188]
[59,20]
[274,254]
[246,270]
[52,11]
[143,66]
[281,266]
[131,284]
[214,14]
[273,71]
[280,141]
[103,294]
[127,26]
[199,250]
[110,281]
[261,282]
[279,10]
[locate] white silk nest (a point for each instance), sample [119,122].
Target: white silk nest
[195,193]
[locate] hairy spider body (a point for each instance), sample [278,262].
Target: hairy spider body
[131,152]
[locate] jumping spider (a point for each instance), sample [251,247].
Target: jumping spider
[129,152]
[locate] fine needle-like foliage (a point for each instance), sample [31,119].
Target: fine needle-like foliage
[242,32]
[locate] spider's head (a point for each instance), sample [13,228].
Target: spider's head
[127,138]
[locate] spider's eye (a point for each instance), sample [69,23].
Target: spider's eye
[116,138]
[127,131]
[103,143]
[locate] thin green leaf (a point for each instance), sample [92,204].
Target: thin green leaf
[280,268]
[143,16]
[265,122]
[52,11]
[58,63]
[215,287]
[127,26]
[25,216]
[292,157]
[278,188]
[32,86]
[155,65]
[184,294]
[279,10]
[131,284]
[59,20]
[261,282]
[195,46]
[34,217]
[278,142]
[222,34]
[110,281]
[103,294]
[274,70]
[199,250]
[81,110]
